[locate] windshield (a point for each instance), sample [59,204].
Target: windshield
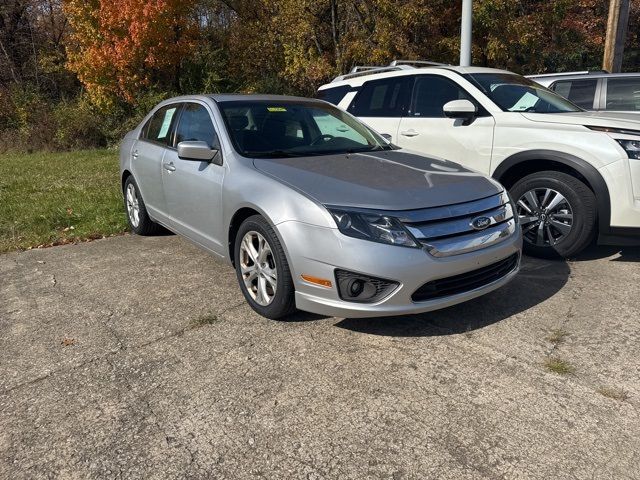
[514,93]
[278,129]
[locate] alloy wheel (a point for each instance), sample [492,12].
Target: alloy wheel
[258,268]
[133,207]
[545,215]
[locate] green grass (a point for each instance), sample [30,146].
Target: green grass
[613,393]
[557,336]
[54,198]
[559,366]
[207,319]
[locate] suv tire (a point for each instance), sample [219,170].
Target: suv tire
[557,213]
[262,265]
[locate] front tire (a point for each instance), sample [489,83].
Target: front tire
[262,269]
[557,214]
[137,216]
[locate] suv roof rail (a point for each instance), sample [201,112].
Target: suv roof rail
[566,74]
[417,62]
[362,70]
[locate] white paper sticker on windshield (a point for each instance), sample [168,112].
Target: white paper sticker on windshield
[528,100]
[166,123]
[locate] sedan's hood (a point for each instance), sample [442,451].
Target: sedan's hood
[627,121]
[389,180]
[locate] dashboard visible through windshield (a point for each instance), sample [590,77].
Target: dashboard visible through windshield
[276,129]
[514,93]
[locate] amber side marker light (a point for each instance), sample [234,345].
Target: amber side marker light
[323,282]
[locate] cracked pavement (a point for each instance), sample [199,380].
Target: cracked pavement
[106,372]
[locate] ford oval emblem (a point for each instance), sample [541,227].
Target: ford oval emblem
[480,223]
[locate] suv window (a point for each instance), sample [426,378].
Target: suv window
[431,93]
[160,126]
[623,94]
[333,95]
[580,92]
[195,125]
[382,98]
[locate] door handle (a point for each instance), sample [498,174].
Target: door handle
[134,154]
[169,166]
[409,133]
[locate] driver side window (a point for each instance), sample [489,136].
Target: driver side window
[195,125]
[431,93]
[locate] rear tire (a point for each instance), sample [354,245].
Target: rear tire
[557,213]
[262,269]
[137,217]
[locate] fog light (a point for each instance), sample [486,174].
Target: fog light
[355,287]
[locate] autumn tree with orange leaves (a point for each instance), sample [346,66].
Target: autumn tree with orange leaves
[120,48]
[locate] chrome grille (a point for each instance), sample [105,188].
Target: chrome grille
[450,230]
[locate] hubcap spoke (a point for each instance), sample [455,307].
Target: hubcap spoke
[531,199]
[562,227]
[557,200]
[527,219]
[258,268]
[540,234]
[545,199]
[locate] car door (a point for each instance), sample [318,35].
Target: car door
[193,189]
[426,129]
[381,104]
[147,155]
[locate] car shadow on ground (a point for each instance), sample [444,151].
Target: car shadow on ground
[620,254]
[537,281]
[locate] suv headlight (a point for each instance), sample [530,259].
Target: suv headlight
[373,226]
[632,147]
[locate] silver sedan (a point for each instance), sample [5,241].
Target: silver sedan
[314,210]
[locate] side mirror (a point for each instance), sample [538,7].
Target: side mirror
[196,150]
[460,109]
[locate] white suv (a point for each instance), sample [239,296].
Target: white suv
[573,174]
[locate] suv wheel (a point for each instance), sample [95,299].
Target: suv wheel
[557,214]
[262,269]
[139,221]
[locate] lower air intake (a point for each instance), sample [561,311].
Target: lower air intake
[465,282]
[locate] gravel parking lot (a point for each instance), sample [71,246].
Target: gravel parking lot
[138,358]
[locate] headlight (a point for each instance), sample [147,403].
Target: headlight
[514,208]
[632,147]
[373,226]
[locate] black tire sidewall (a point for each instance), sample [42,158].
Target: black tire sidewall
[283,302]
[582,202]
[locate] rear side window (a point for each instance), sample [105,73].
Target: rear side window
[195,125]
[333,95]
[159,128]
[580,92]
[431,93]
[382,98]
[623,94]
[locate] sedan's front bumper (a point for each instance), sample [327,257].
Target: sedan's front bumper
[318,251]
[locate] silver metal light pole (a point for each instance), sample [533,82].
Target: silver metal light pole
[465,33]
